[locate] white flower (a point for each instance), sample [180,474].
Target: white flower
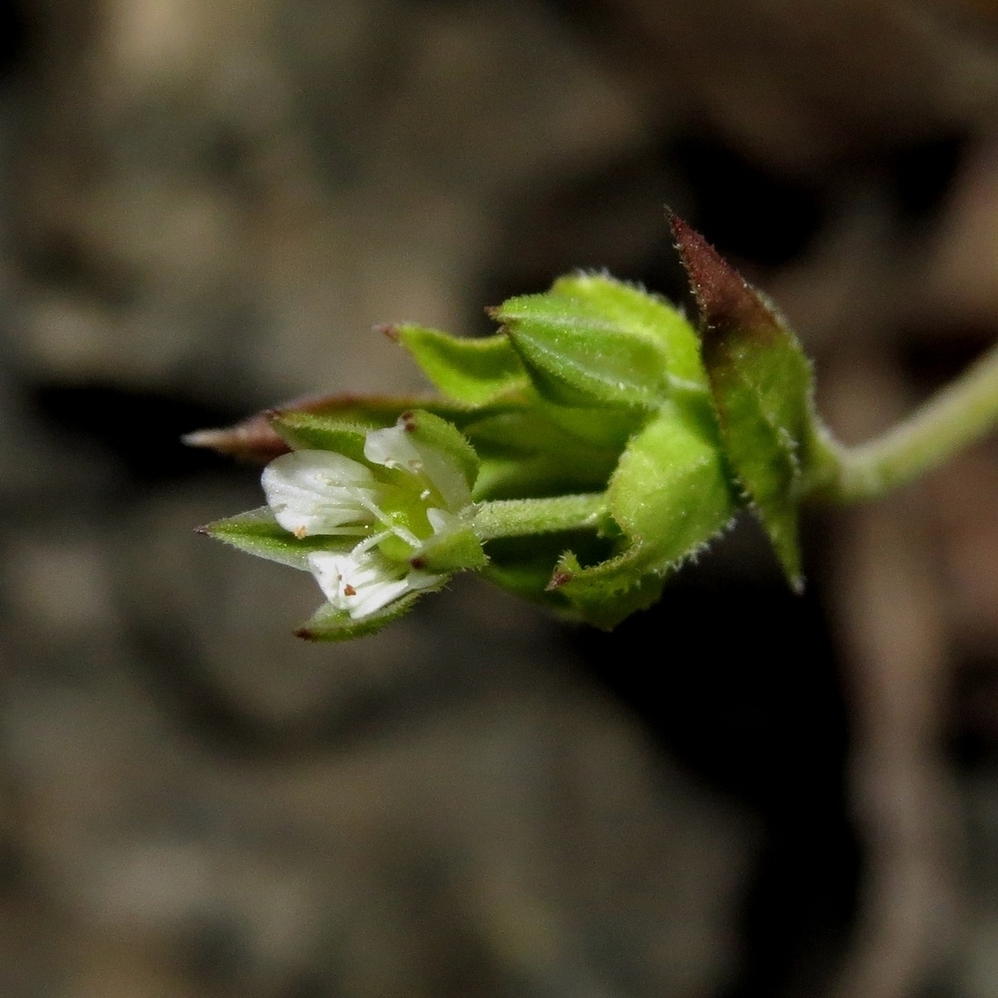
[362,582]
[322,493]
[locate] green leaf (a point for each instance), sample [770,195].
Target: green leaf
[762,385]
[257,532]
[671,492]
[473,371]
[582,350]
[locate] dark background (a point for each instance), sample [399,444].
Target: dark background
[207,205]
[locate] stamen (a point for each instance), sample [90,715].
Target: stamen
[372,542]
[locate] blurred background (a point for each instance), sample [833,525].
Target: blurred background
[206,205]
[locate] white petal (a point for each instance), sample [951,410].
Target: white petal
[422,580]
[444,472]
[373,597]
[394,447]
[441,520]
[364,582]
[318,492]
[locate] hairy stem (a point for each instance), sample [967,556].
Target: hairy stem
[956,416]
[516,517]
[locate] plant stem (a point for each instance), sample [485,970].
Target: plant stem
[956,416]
[516,517]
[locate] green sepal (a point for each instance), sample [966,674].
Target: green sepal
[257,532]
[607,593]
[525,453]
[581,350]
[606,428]
[307,431]
[670,495]
[642,313]
[671,491]
[522,565]
[762,384]
[526,579]
[256,439]
[376,411]
[331,624]
[473,371]
[440,435]
[452,551]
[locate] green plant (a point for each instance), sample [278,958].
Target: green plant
[576,457]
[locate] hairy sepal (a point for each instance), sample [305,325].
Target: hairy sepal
[258,532]
[331,624]
[473,371]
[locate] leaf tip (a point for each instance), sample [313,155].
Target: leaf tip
[199,438]
[725,299]
[389,329]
